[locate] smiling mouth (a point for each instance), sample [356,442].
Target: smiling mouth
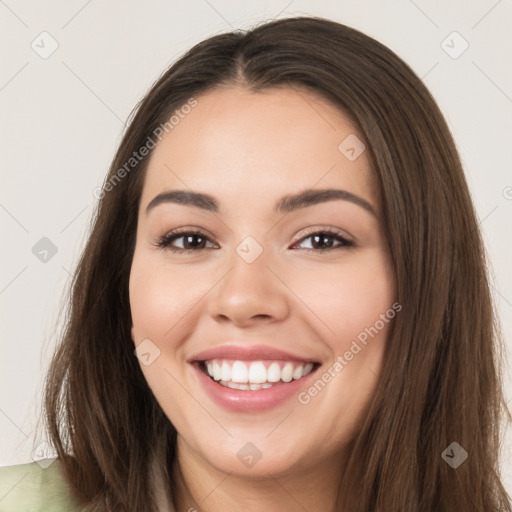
[255,375]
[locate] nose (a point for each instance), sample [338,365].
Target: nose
[249,294]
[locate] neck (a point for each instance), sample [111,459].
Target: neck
[201,487]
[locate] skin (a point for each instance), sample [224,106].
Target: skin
[248,150]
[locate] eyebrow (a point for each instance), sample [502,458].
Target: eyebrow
[286,204]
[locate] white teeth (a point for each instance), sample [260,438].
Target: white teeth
[225,371]
[233,385]
[245,387]
[239,372]
[257,373]
[297,373]
[254,375]
[287,372]
[217,372]
[274,372]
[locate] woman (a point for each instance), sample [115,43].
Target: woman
[283,303]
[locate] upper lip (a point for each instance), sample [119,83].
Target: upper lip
[250,353]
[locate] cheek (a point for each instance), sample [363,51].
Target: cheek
[149,303]
[351,301]
[159,298]
[347,298]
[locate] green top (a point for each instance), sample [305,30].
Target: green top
[35,487]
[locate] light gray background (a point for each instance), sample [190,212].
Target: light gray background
[63,116]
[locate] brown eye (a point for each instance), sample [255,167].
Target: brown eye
[326,240]
[190,241]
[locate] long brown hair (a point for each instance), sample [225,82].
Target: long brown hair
[440,382]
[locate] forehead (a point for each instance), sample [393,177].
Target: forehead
[238,144]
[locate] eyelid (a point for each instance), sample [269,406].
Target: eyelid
[326,229]
[165,242]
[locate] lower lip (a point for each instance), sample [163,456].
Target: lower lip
[248,401]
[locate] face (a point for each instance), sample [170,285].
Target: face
[262,316]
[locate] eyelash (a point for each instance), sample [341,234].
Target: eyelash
[165,241]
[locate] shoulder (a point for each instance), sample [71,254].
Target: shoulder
[36,487]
